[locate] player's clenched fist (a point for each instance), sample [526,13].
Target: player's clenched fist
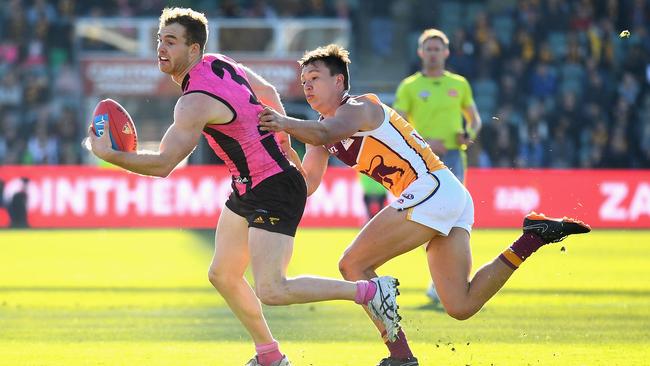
[99,145]
[270,120]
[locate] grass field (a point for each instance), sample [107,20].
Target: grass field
[141,297]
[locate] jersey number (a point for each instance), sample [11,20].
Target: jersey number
[219,66]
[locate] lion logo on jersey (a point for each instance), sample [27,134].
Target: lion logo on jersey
[381,172]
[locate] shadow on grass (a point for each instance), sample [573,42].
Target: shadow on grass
[431,306]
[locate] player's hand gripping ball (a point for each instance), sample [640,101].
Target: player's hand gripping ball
[121,128]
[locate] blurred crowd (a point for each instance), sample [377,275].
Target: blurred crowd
[39,86]
[556,82]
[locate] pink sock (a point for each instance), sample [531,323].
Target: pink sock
[268,353]
[400,348]
[365,292]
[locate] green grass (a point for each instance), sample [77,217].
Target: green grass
[141,297]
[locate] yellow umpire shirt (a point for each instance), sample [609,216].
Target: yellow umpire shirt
[435,105]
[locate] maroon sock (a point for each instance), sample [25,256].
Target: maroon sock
[400,348]
[521,249]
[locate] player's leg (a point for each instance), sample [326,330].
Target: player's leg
[428,207]
[231,257]
[388,235]
[450,261]
[456,161]
[270,256]
[273,210]
[374,246]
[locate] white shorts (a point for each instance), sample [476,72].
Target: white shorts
[438,200]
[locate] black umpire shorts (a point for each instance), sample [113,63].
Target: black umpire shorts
[276,204]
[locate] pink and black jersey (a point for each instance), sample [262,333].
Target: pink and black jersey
[250,154]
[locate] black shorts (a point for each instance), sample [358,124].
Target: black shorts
[276,204]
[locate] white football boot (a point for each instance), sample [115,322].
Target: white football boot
[283,362]
[383,305]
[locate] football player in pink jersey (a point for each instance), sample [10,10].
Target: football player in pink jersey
[221,99]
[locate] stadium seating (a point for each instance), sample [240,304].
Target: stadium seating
[41,88]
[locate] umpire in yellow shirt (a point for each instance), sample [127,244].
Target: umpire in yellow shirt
[435,101]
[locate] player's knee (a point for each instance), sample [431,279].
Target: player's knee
[460,312]
[343,269]
[346,269]
[272,294]
[351,270]
[218,279]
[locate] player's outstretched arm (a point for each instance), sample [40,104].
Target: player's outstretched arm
[349,119]
[191,114]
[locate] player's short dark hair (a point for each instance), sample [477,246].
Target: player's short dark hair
[335,58]
[195,23]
